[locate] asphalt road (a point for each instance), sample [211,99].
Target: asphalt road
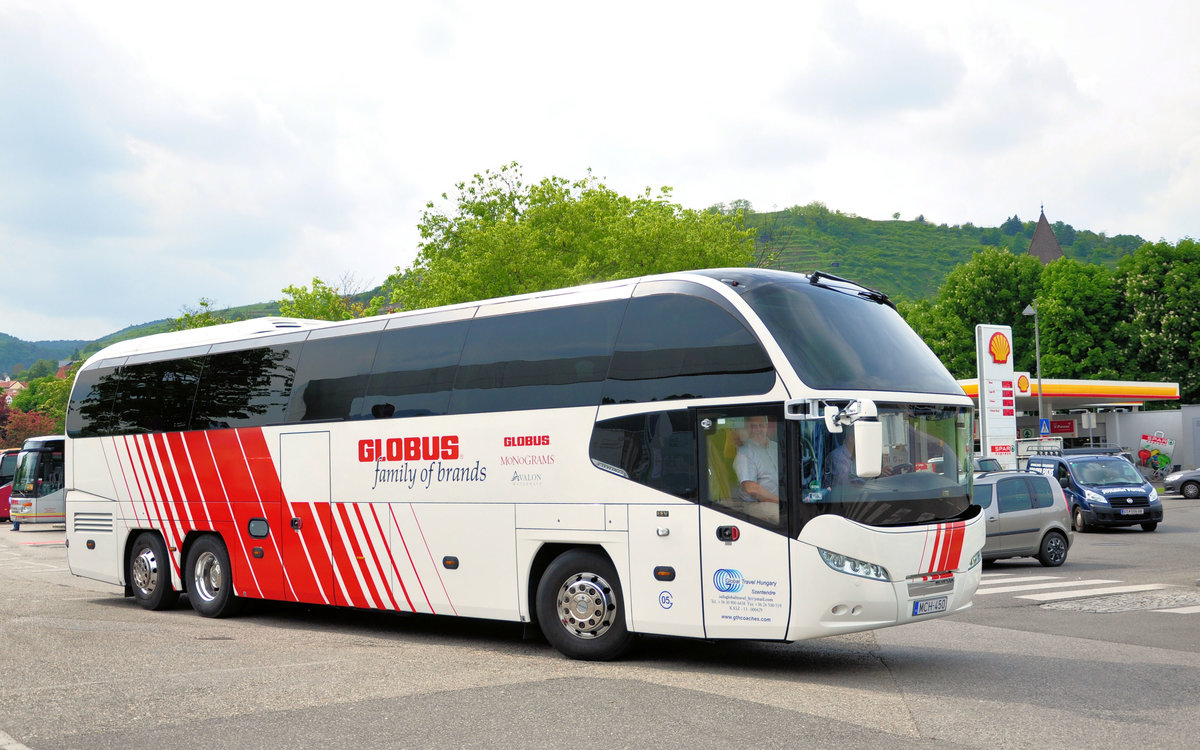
[84,668]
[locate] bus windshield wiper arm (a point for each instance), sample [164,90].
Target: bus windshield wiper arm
[817,278]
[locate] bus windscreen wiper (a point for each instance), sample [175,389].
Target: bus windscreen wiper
[818,278]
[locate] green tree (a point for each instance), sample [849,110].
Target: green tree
[993,287]
[1161,286]
[41,369]
[1083,322]
[325,302]
[503,237]
[200,317]
[47,395]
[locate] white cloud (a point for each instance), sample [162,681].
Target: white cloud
[152,154]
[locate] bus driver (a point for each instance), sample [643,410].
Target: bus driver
[757,468]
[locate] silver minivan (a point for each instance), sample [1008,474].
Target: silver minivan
[1027,516]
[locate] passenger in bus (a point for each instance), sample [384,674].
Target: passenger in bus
[757,465]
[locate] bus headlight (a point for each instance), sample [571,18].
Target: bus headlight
[853,566]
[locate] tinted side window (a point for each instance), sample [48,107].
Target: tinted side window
[246,388]
[90,411]
[1043,496]
[331,380]
[657,450]
[8,467]
[414,371]
[156,396]
[1012,495]
[537,360]
[981,495]
[675,346]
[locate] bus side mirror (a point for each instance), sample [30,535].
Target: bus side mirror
[868,448]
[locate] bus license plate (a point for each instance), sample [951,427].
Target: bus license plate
[929,606]
[1132,511]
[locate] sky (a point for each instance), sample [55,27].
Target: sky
[153,154]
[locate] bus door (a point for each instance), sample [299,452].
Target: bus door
[305,523]
[745,570]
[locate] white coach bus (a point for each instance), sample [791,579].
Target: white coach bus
[711,454]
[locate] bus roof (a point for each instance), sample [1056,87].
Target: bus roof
[271,326]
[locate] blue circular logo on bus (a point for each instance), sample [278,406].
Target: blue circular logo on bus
[728,581]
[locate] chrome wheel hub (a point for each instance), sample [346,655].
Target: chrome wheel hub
[207,576]
[144,571]
[586,605]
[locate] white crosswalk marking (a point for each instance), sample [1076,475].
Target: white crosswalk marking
[1093,592]
[1038,586]
[1050,588]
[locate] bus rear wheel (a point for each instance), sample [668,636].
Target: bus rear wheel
[150,573]
[579,607]
[209,578]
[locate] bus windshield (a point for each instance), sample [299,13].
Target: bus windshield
[843,341]
[39,472]
[926,473]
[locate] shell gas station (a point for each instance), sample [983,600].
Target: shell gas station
[1018,411]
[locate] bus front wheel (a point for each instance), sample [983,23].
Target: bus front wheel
[150,573]
[209,578]
[579,607]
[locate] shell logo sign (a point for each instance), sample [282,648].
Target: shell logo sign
[999,348]
[1023,384]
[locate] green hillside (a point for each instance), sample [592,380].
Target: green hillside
[14,351]
[906,259]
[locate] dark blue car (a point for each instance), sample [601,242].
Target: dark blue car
[1103,490]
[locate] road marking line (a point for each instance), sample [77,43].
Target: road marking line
[8,743]
[1094,592]
[1037,586]
[1182,610]
[1023,579]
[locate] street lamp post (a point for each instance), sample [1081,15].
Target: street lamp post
[1037,351]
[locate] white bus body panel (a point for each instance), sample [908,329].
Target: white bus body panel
[665,535]
[928,562]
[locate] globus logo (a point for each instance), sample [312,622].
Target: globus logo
[443,447]
[525,440]
[728,581]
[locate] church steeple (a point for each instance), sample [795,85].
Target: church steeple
[1044,245]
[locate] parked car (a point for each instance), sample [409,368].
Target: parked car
[1102,490]
[1027,516]
[1186,483]
[987,464]
[8,469]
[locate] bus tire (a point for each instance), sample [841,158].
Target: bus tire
[580,607]
[150,573]
[209,578]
